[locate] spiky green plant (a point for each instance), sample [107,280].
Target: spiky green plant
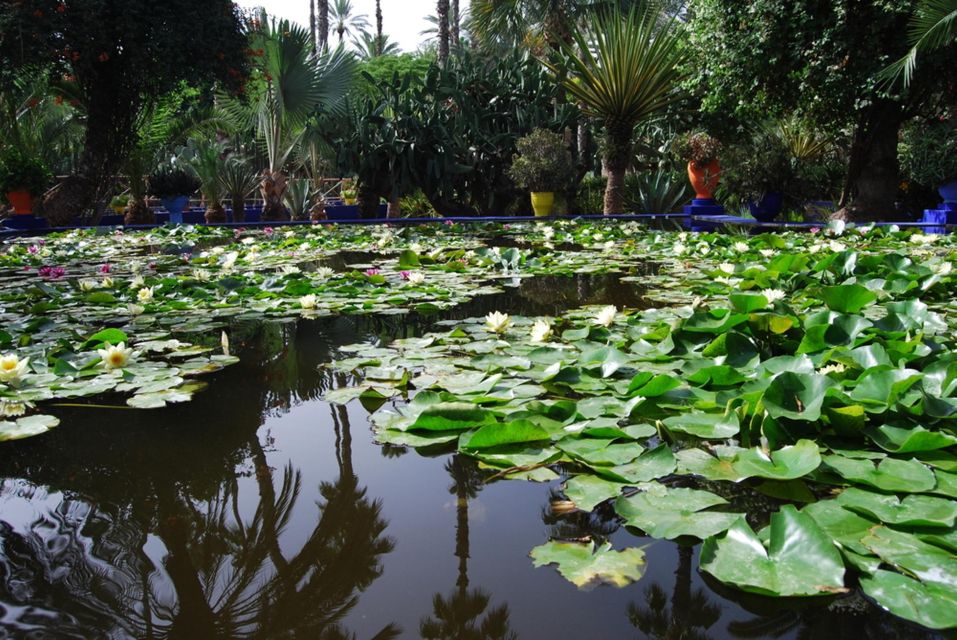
[623,70]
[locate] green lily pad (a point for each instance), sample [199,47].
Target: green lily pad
[586,567]
[847,298]
[906,551]
[890,474]
[912,511]
[650,465]
[705,425]
[588,491]
[27,427]
[800,559]
[671,513]
[928,604]
[797,396]
[495,435]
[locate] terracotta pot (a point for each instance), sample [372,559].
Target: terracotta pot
[704,179]
[21,201]
[542,203]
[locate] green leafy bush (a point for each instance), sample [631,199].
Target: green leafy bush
[698,148]
[542,163]
[20,172]
[928,152]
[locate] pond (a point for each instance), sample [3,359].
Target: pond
[257,508]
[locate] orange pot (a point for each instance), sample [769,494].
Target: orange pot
[704,179]
[22,202]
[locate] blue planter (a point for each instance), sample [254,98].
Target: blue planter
[768,208]
[948,191]
[175,207]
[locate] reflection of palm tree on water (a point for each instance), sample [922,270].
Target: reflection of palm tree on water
[458,616]
[690,615]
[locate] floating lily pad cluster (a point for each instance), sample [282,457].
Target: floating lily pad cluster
[824,379]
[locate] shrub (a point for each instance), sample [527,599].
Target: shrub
[928,152]
[697,148]
[171,182]
[591,195]
[20,172]
[542,163]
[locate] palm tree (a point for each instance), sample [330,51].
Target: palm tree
[297,82]
[932,26]
[624,70]
[455,19]
[346,22]
[379,37]
[323,25]
[369,46]
[442,13]
[312,20]
[513,23]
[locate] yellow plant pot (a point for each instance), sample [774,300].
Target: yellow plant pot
[542,203]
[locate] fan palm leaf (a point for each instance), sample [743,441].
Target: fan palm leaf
[933,25]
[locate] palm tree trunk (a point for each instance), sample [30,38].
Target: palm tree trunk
[312,22]
[442,12]
[379,40]
[456,22]
[617,156]
[323,25]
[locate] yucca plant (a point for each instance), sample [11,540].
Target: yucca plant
[239,180]
[624,69]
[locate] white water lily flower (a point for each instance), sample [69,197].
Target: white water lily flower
[136,266]
[497,322]
[726,267]
[324,273]
[12,409]
[202,274]
[416,277]
[942,269]
[135,309]
[289,269]
[836,246]
[894,228]
[217,250]
[115,357]
[248,241]
[921,238]
[740,247]
[548,232]
[608,246]
[308,301]
[145,295]
[416,247]
[679,249]
[541,331]
[773,295]
[137,282]
[606,316]
[832,368]
[87,284]
[836,227]
[230,260]
[107,283]
[683,236]
[767,253]
[12,367]
[224,342]
[815,248]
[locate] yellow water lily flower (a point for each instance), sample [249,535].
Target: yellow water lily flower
[12,367]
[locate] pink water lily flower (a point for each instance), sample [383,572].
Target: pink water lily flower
[105,268]
[404,274]
[372,272]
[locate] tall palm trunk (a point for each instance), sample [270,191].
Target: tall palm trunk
[617,156]
[312,21]
[379,40]
[456,21]
[323,25]
[442,11]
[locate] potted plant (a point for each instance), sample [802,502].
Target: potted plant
[928,153]
[239,180]
[757,173]
[22,178]
[700,151]
[208,163]
[542,166]
[118,203]
[348,196]
[173,186]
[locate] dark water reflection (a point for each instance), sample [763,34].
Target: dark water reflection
[259,511]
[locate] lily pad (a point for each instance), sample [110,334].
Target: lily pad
[800,559]
[587,567]
[671,513]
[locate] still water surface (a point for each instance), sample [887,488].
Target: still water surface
[259,511]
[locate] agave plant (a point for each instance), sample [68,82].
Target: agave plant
[299,198]
[296,82]
[658,192]
[238,180]
[623,70]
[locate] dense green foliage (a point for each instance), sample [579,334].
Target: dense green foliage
[542,162]
[20,172]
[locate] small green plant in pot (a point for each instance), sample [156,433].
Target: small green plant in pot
[542,166]
[22,178]
[173,186]
[239,180]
